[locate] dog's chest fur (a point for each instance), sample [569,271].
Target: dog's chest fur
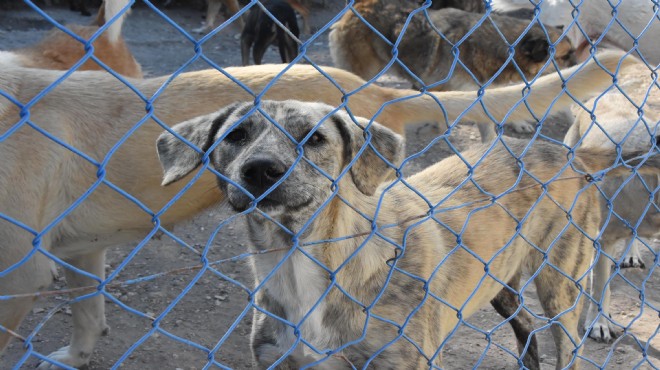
[296,286]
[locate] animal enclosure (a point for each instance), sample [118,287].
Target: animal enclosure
[182,295]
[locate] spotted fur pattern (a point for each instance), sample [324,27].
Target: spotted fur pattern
[378,295]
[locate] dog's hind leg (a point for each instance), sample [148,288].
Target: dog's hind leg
[88,314]
[557,294]
[33,275]
[233,8]
[212,12]
[634,257]
[569,259]
[261,45]
[598,325]
[288,47]
[287,44]
[246,43]
[506,303]
[487,131]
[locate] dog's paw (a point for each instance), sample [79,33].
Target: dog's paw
[602,330]
[64,356]
[632,261]
[523,127]
[202,30]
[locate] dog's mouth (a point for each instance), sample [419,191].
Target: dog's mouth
[270,204]
[244,203]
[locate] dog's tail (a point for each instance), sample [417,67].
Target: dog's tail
[108,10]
[582,82]
[596,160]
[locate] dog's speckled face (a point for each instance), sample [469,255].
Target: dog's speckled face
[284,171]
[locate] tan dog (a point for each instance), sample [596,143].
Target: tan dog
[619,118]
[93,111]
[357,48]
[233,7]
[356,291]
[60,51]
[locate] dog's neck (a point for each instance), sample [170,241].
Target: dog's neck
[335,239]
[331,238]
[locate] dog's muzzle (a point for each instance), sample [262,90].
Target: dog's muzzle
[261,174]
[257,176]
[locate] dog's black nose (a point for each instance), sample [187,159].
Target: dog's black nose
[262,173]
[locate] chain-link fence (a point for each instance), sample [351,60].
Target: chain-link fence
[295,228]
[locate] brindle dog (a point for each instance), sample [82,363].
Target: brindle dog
[426,47]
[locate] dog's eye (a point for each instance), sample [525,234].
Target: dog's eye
[237,136]
[316,139]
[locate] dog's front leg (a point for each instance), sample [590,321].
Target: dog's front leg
[287,45]
[506,303]
[599,326]
[634,257]
[211,12]
[247,39]
[88,314]
[264,38]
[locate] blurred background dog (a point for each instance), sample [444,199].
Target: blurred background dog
[427,48]
[424,50]
[261,31]
[636,27]
[233,6]
[59,50]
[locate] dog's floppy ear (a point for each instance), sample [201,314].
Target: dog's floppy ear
[177,157]
[369,170]
[535,47]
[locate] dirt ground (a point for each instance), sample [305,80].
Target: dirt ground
[200,320]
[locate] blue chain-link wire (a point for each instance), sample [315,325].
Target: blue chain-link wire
[376,230]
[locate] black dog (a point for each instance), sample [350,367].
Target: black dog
[79,6]
[261,30]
